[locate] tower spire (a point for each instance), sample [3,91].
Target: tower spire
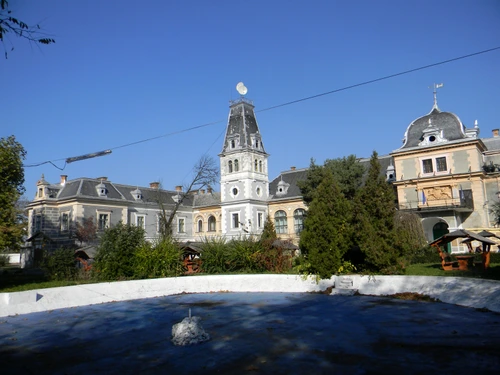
[436,86]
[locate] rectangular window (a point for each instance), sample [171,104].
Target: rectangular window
[103,222]
[427,166]
[159,223]
[260,219]
[181,223]
[441,164]
[64,221]
[38,223]
[141,221]
[236,220]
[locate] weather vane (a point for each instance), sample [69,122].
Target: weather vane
[436,86]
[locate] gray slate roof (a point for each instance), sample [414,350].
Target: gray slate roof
[290,177]
[242,122]
[452,127]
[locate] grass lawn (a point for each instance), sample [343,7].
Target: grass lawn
[434,269]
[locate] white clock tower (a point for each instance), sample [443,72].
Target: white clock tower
[244,174]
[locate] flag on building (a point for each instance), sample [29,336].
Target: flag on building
[424,200]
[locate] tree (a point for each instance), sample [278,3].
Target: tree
[269,231]
[327,228]
[86,231]
[205,175]
[116,254]
[374,216]
[12,155]
[347,171]
[12,25]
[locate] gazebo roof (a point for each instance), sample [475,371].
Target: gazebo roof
[461,233]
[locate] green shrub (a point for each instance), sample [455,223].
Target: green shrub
[60,264]
[214,255]
[4,260]
[116,254]
[426,254]
[271,258]
[242,255]
[160,259]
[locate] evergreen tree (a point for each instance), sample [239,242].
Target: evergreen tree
[327,231]
[347,172]
[269,231]
[374,217]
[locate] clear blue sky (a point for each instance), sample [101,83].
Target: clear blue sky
[122,71]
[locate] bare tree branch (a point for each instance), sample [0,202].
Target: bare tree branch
[205,175]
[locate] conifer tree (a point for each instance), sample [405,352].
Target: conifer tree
[327,231]
[374,217]
[269,231]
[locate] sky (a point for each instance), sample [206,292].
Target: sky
[122,71]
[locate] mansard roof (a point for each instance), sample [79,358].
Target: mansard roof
[85,188]
[447,123]
[241,126]
[291,178]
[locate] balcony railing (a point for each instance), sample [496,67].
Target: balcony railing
[464,203]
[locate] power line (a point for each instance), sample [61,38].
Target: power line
[288,103]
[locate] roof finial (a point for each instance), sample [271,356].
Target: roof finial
[436,86]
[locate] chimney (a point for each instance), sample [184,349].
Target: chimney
[154,185]
[102,178]
[64,178]
[495,132]
[178,188]
[292,168]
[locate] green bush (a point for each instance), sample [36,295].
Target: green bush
[214,255]
[426,254]
[4,260]
[274,259]
[242,255]
[116,254]
[60,264]
[160,259]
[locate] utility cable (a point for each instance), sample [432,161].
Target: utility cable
[289,103]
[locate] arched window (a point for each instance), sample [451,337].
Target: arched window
[298,220]
[257,144]
[255,165]
[236,166]
[260,166]
[233,143]
[211,224]
[200,225]
[230,166]
[280,222]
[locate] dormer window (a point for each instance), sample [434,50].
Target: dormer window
[282,188]
[40,192]
[137,194]
[101,190]
[432,135]
[233,143]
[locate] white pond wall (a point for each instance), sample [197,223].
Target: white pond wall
[460,291]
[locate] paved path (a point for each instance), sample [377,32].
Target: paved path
[255,333]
